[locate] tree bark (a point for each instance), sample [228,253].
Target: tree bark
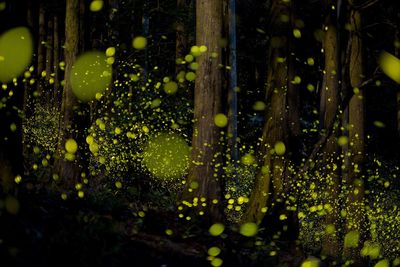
[49,53]
[204,168]
[56,59]
[355,206]
[330,99]
[69,171]
[275,129]
[41,53]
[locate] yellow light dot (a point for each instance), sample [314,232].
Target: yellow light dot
[17,179]
[259,106]
[189,58]
[139,42]
[310,61]
[310,262]
[71,146]
[343,140]
[13,127]
[96,5]
[297,33]
[168,231]
[248,229]
[89,139]
[64,196]
[16,49]
[203,49]
[296,80]
[351,239]
[171,87]
[216,229]
[247,159]
[110,60]
[94,147]
[141,214]
[81,194]
[190,76]
[221,120]
[214,251]
[390,65]
[195,51]
[216,262]
[382,263]
[280,148]
[90,75]
[118,184]
[110,52]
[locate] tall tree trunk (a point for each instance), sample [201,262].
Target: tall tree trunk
[49,53]
[203,179]
[56,59]
[275,128]
[330,159]
[27,107]
[355,206]
[233,87]
[68,170]
[41,53]
[181,46]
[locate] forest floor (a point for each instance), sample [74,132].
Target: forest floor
[49,231]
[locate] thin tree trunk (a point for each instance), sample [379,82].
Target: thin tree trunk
[26,102]
[355,206]
[181,46]
[233,87]
[49,52]
[203,179]
[56,59]
[41,47]
[67,170]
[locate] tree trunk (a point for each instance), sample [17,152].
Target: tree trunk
[203,179]
[49,53]
[41,53]
[69,170]
[181,46]
[276,125]
[232,93]
[330,158]
[355,206]
[56,59]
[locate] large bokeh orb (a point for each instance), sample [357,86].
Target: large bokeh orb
[166,156]
[90,75]
[16,50]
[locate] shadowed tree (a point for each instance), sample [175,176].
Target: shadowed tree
[329,101]
[355,206]
[270,181]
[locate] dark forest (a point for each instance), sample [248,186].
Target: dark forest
[168,133]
